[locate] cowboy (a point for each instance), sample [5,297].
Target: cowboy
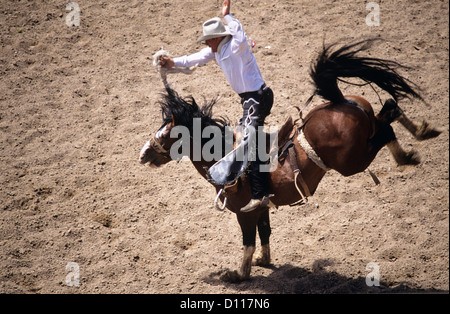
[229,47]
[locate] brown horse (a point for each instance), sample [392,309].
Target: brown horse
[342,134]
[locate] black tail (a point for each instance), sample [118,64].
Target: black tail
[344,62]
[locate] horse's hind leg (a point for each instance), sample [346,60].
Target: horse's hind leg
[401,156]
[386,136]
[264,231]
[422,132]
[391,112]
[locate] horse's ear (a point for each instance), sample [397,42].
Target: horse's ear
[173,120]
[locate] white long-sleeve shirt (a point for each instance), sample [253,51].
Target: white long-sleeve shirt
[234,58]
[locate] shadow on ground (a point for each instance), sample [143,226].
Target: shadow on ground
[288,279]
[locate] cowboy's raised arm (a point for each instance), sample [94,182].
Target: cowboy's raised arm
[196,59]
[226,7]
[239,37]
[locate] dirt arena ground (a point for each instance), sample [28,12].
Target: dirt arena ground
[78,103]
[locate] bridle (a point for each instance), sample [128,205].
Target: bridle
[158,147]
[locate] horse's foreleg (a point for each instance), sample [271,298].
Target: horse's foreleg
[264,230]
[263,258]
[247,221]
[246,266]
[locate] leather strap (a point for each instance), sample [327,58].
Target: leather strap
[298,175]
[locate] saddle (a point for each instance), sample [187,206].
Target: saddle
[230,168]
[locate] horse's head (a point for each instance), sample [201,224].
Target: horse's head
[177,112]
[156,151]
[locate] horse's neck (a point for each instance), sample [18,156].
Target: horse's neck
[202,167]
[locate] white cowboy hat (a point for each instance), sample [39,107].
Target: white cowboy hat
[214,28]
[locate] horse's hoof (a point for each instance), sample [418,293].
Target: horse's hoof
[409,158]
[426,132]
[231,277]
[261,261]
[413,158]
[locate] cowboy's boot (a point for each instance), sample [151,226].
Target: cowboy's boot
[259,187]
[255,203]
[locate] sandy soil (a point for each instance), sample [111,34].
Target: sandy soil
[78,103]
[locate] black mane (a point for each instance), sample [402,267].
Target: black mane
[184,110]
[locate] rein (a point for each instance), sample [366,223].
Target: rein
[307,103]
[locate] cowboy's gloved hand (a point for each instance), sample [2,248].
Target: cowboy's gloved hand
[166,62]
